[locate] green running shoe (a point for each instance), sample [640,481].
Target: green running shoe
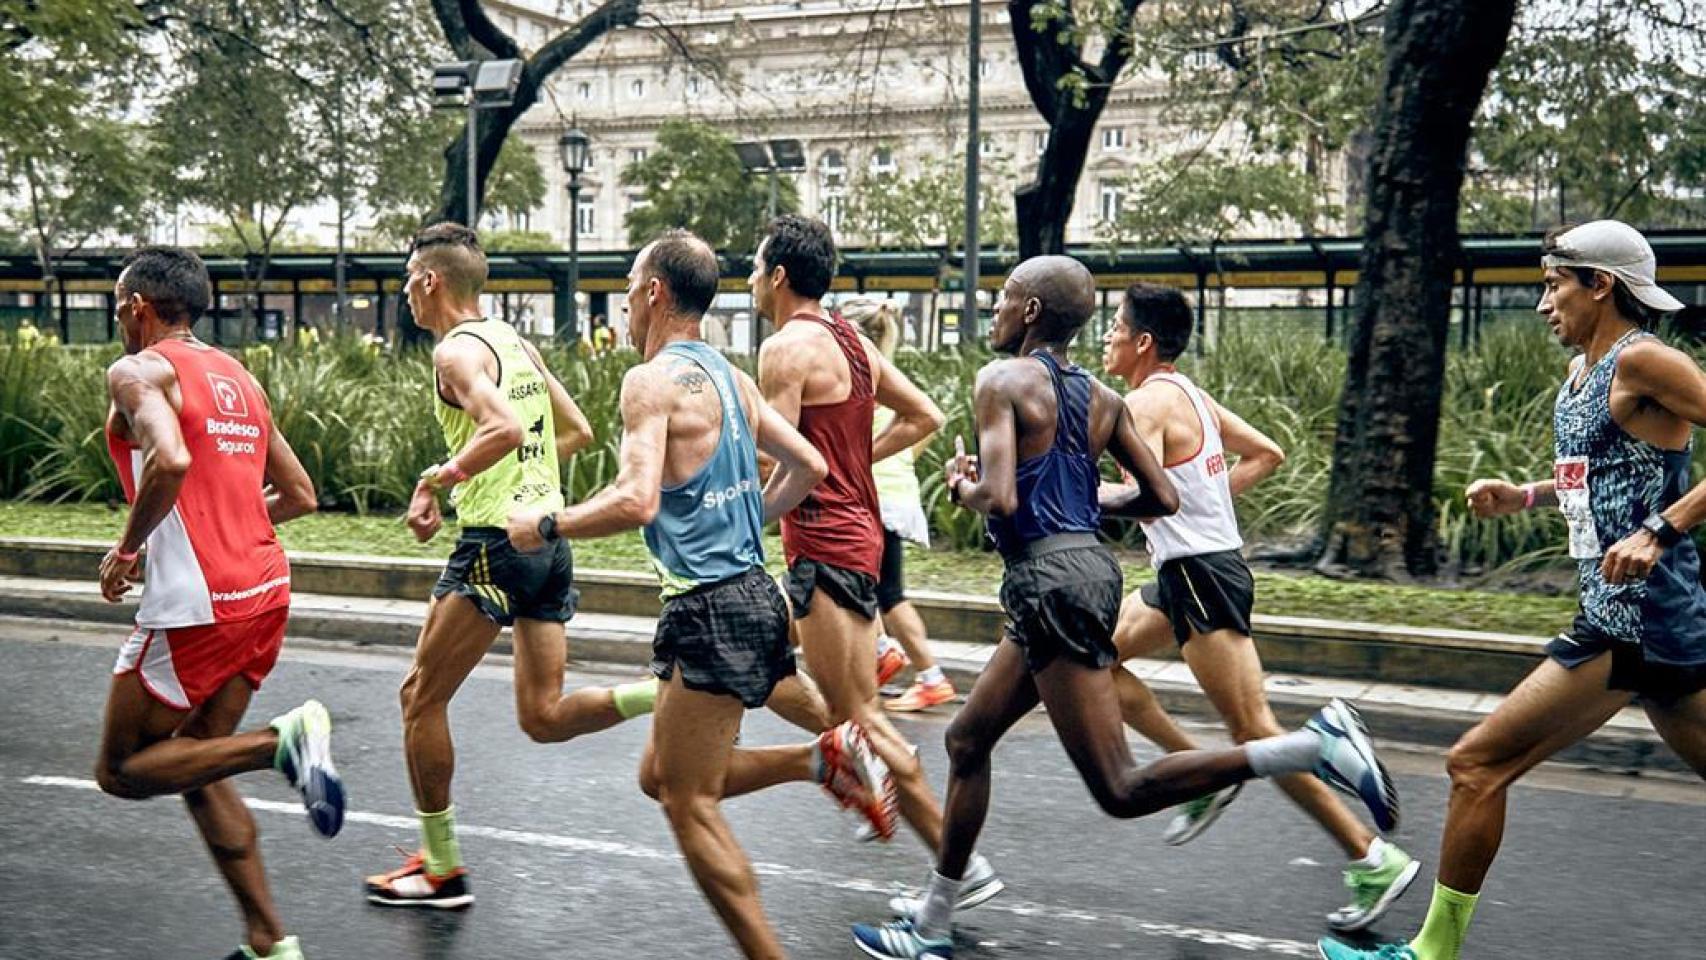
[286,949]
[1334,950]
[1374,889]
[304,756]
[1195,816]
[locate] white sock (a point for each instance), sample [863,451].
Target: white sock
[1376,853]
[1294,752]
[932,675]
[936,915]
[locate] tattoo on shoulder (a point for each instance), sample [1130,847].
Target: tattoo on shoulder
[692,379]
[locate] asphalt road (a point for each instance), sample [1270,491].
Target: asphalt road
[569,859]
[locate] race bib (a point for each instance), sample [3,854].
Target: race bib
[1570,477]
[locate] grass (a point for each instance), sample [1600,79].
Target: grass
[942,570]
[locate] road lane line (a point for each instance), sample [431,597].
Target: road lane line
[552,841]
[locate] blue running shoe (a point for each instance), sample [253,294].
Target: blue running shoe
[1347,762]
[899,941]
[1334,950]
[304,756]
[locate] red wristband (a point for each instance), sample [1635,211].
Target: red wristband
[123,557]
[452,473]
[1528,496]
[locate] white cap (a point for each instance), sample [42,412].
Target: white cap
[1618,249]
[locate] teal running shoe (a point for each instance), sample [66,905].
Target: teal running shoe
[898,940]
[1348,763]
[1334,950]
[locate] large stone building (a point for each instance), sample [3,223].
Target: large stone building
[863,84]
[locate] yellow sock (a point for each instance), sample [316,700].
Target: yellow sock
[438,836]
[1446,926]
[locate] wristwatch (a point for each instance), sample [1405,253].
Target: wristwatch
[548,527]
[1660,528]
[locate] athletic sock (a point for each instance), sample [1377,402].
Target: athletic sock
[1446,926]
[634,699]
[931,676]
[1293,752]
[936,914]
[1375,857]
[885,643]
[438,838]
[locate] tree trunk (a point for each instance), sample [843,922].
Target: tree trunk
[1044,205]
[1380,518]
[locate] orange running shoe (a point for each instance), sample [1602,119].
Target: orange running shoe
[858,779]
[890,661]
[923,696]
[412,886]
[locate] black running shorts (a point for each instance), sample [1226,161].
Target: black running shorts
[850,589]
[506,583]
[1204,593]
[1062,598]
[891,582]
[1630,667]
[728,637]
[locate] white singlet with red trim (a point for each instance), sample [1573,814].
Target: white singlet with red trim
[215,558]
[1206,521]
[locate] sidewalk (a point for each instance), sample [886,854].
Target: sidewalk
[1428,716]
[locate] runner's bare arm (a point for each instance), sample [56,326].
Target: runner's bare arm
[1258,455]
[1670,378]
[138,385]
[289,490]
[461,366]
[1153,495]
[631,500]
[916,416]
[799,467]
[573,431]
[992,486]
[782,377]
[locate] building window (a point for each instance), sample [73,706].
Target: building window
[834,206]
[637,201]
[986,145]
[1113,138]
[693,86]
[882,160]
[1110,202]
[1040,141]
[583,91]
[832,169]
[636,155]
[636,89]
[585,220]
[983,67]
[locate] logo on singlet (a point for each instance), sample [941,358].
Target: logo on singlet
[228,397]
[1216,465]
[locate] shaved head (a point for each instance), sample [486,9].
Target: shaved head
[1065,288]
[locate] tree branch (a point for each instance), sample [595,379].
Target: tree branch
[486,33]
[1043,59]
[609,16]
[449,15]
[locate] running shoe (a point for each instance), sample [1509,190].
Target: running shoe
[1347,762]
[286,949]
[897,940]
[980,886]
[857,778]
[1197,815]
[1374,889]
[304,756]
[1334,950]
[891,659]
[923,696]
[412,886]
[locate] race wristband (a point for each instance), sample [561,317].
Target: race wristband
[452,473]
[1528,496]
[123,557]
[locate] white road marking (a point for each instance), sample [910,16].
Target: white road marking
[551,841]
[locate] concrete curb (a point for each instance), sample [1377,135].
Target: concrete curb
[1448,659]
[1395,713]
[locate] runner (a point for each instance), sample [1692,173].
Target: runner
[1622,424]
[1203,592]
[507,422]
[692,428]
[903,641]
[207,477]
[820,374]
[1043,424]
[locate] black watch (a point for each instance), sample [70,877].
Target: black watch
[548,527]
[1660,528]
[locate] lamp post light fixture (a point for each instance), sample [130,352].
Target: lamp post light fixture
[477,85]
[574,148]
[771,157]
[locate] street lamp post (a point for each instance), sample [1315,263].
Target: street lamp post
[477,85]
[574,148]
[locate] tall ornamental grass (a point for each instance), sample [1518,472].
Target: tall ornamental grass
[361,420]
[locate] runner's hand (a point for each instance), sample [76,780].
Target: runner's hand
[424,517]
[117,576]
[1495,498]
[524,530]
[1632,558]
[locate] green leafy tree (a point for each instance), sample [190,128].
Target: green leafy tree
[407,175]
[1211,197]
[927,208]
[693,179]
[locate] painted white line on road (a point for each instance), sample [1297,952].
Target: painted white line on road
[551,841]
